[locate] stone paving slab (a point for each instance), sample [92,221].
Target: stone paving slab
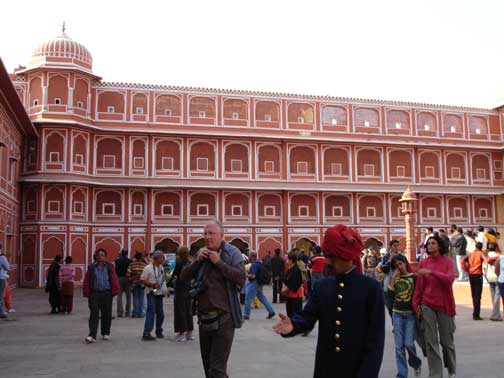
[41,345]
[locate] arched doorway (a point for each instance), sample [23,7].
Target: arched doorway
[240,244]
[305,244]
[167,245]
[373,244]
[194,248]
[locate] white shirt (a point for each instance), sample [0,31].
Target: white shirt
[483,240]
[151,275]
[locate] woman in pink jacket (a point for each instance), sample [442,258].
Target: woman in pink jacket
[434,303]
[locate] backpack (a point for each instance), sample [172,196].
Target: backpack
[263,276]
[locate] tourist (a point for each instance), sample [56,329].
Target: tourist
[244,289]
[459,245]
[480,237]
[66,280]
[122,263]
[4,271]
[444,236]
[267,262]
[153,278]
[434,303]
[403,317]
[219,266]
[277,273]
[292,286]
[183,320]
[388,269]
[317,264]
[473,265]
[492,278]
[135,270]
[303,257]
[349,308]
[100,286]
[7,297]
[491,236]
[258,276]
[499,270]
[53,285]
[471,243]
[370,262]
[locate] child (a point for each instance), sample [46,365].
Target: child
[403,317]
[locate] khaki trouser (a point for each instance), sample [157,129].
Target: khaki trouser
[434,322]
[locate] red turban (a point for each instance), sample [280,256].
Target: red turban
[343,242]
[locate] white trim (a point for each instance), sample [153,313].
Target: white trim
[57,205]
[140,161]
[302,167]
[107,205]
[138,209]
[204,207]
[369,170]
[239,212]
[201,163]
[400,171]
[458,213]
[110,109]
[54,160]
[108,159]
[455,173]
[269,166]
[236,166]
[167,210]
[270,208]
[167,163]
[75,205]
[336,210]
[303,209]
[431,212]
[483,212]
[429,171]
[336,169]
[370,212]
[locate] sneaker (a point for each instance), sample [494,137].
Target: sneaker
[148,338]
[270,315]
[106,337]
[180,338]
[418,372]
[189,337]
[246,318]
[11,311]
[452,376]
[159,336]
[90,340]
[477,318]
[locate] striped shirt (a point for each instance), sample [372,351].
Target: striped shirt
[66,273]
[135,270]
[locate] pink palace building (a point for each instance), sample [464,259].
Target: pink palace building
[89,163]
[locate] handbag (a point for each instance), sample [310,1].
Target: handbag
[489,272]
[209,322]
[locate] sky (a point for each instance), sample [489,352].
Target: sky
[430,51]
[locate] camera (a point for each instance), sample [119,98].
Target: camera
[198,286]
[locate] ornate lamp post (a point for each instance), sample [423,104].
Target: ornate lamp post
[408,201]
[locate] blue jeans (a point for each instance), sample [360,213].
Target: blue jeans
[138,301]
[154,308]
[501,290]
[404,336]
[256,290]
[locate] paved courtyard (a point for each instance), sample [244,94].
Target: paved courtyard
[41,345]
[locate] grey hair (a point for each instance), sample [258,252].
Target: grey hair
[218,223]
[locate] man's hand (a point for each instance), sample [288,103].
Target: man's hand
[424,271]
[202,255]
[213,256]
[156,286]
[284,326]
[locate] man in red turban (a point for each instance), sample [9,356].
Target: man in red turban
[350,310]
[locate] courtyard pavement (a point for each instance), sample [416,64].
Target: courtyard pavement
[38,345]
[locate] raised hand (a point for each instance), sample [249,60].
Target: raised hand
[284,326]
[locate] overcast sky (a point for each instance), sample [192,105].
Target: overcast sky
[434,51]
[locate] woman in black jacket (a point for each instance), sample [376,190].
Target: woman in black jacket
[183,301]
[292,288]
[53,286]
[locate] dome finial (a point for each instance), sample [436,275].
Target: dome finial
[63,28]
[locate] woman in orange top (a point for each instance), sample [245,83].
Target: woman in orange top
[292,288]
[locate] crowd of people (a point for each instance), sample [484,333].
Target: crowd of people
[343,286]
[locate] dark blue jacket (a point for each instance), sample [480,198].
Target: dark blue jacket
[351,314]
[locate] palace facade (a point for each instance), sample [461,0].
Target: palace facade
[129,165]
